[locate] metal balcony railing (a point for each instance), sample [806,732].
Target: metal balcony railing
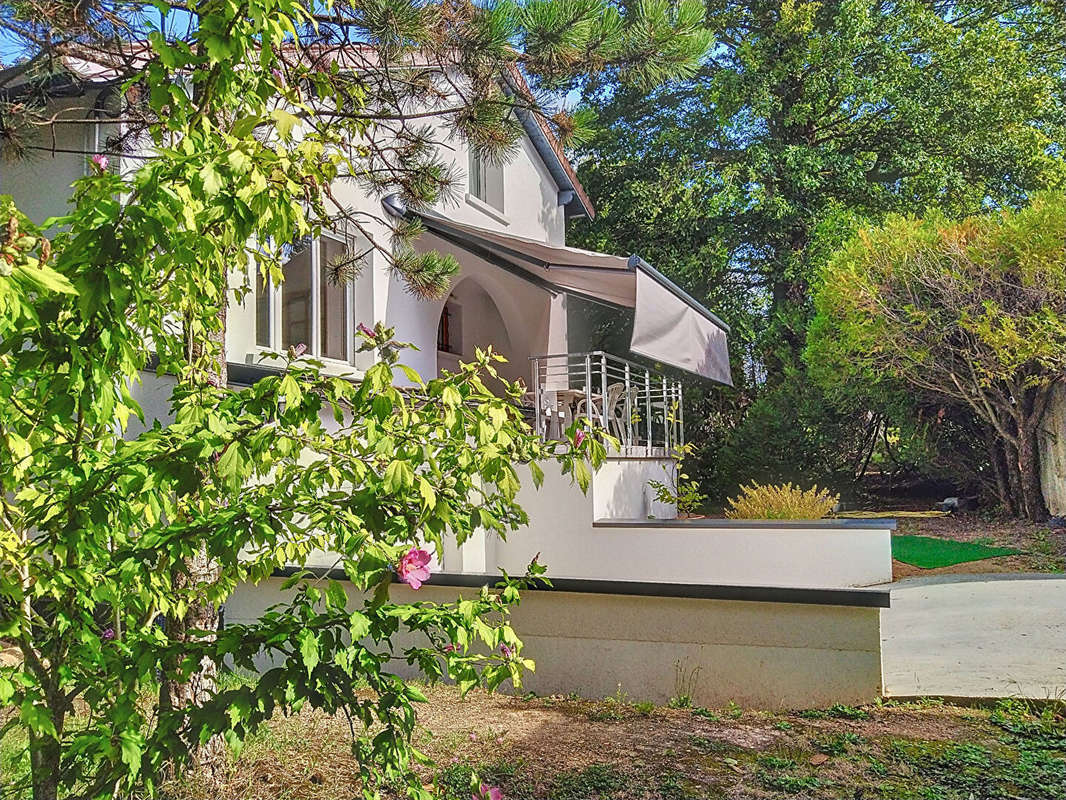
[641,408]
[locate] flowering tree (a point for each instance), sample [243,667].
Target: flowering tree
[244,115]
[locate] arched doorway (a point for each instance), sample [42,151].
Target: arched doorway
[470,319]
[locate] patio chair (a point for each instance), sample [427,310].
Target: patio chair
[617,423]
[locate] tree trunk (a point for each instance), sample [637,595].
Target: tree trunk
[45,765]
[175,695]
[999,468]
[1032,492]
[201,615]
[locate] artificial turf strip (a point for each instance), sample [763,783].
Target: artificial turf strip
[928,552]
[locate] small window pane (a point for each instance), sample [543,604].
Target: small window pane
[262,310]
[477,177]
[296,300]
[333,304]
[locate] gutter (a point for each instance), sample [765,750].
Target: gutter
[572,195]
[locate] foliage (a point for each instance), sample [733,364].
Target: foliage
[781,502]
[681,492]
[793,432]
[807,115]
[809,120]
[970,313]
[242,118]
[837,711]
[963,769]
[595,780]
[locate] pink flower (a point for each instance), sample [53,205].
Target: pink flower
[487,793]
[450,648]
[506,651]
[279,79]
[107,634]
[298,350]
[413,569]
[363,329]
[100,161]
[579,437]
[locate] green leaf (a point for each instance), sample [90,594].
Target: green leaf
[309,649]
[46,279]
[131,745]
[212,182]
[335,595]
[284,121]
[429,496]
[398,476]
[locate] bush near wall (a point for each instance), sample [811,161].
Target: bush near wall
[781,502]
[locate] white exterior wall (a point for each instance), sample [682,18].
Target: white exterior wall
[621,488]
[574,541]
[40,182]
[772,655]
[533,318]
[526,320]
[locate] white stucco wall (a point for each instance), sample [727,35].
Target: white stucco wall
[40,182]
[525,318]
[41,185]
[770,655]
[564,531]
[621,488]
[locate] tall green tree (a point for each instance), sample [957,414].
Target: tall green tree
[809,119]
[238,117]
[971,313]
[808,115]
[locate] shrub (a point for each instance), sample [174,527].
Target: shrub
[781,502]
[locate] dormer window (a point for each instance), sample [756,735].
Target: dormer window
[485,181]
[308,308]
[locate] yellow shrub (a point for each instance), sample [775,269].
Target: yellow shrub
[781,502]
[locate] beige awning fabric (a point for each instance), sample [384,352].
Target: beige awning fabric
[666,329]
[669,325]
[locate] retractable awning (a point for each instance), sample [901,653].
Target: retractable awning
[669,324]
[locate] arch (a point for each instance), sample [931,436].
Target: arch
[476,319]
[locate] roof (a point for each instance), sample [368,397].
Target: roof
[102,68]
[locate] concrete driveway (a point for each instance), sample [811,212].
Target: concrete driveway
[976,636]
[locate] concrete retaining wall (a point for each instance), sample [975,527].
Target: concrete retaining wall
[757,653]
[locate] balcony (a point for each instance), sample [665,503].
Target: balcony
[639,407]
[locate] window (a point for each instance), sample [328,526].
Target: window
[308,308]
[478,174]
[485,181]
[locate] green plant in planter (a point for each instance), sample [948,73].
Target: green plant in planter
[681,491]
[781,502]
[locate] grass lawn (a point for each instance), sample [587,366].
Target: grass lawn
[558,748]
[1035,548]
[929,552]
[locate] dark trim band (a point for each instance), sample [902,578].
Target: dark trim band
[856,597]
[786,524]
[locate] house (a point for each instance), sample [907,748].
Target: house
[767,613]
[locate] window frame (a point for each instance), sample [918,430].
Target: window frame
[275,305]
[486,186]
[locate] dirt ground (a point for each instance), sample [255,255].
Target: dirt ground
[1043,549]
[559,748]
